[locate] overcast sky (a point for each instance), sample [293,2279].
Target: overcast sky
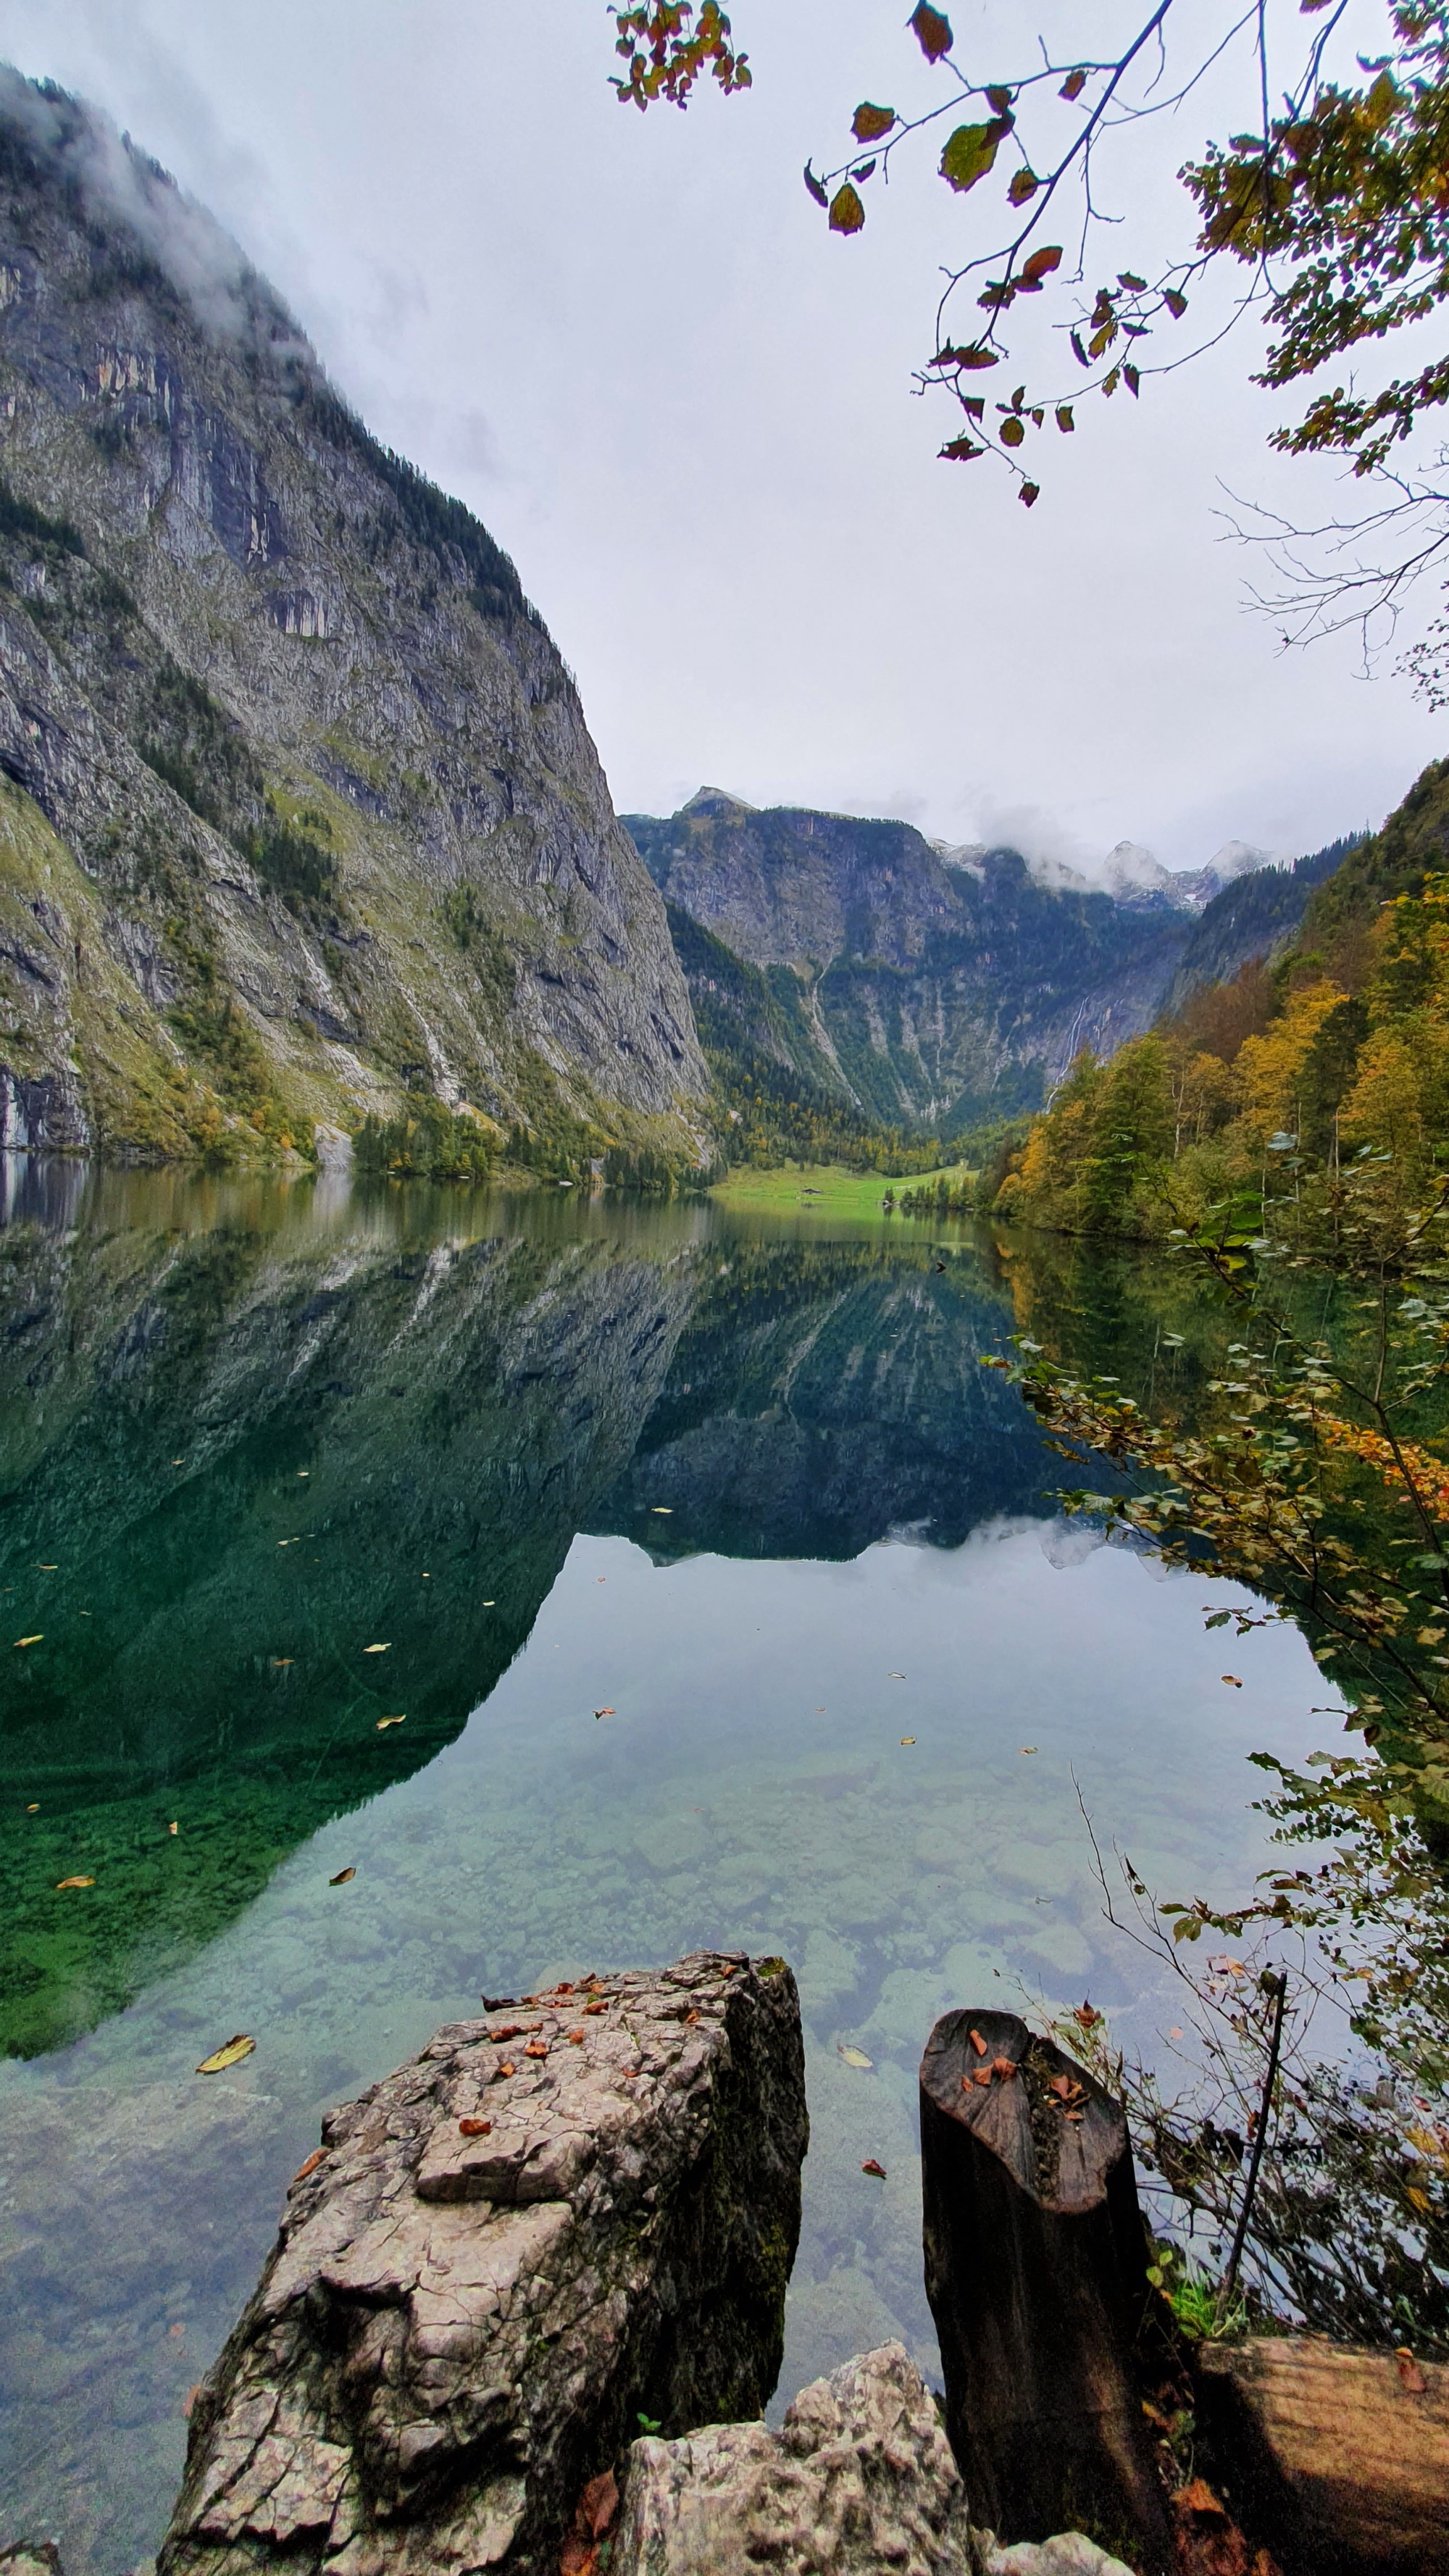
[686,411]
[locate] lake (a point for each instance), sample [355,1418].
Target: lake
[596,1582]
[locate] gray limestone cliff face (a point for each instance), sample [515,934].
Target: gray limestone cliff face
[578,2211]
[298,808]
[927,991]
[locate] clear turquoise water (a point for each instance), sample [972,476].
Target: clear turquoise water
[744,1486]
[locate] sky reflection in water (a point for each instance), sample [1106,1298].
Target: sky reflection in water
[747,1487]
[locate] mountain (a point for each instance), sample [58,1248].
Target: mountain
[1256,916]
[298,809]
[926,986]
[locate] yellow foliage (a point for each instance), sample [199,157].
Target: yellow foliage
[1385,1108]
[1270,1068]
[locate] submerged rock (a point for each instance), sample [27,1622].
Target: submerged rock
[578,2211]
[860,2477]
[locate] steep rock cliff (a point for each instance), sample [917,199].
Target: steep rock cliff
[300,811]
[932,992]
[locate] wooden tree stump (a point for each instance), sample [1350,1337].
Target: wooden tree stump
[1036,2260]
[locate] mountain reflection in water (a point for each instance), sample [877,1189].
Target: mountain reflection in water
[256,1432]
[720,1605]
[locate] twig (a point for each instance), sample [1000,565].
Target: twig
[1240,2233]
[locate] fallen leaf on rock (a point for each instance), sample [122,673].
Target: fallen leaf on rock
[74,1882]
[342,1877]
[870,2166]
[1062,2086]
[578,2557]
[1232,1678]
[475,2128]
[600,2007]
[310,2167]
[536,2048]
[190,2398]
[508,2068]
[384,1722]
[37,1640]
[378,1650]
[599,2503]
[977,2042]
[576,2038]
[856,2057]
[231,2055]
[693,2013]
[982,2075]
[1002,2067]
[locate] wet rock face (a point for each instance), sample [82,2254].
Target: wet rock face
[579,2210]
[859,2478]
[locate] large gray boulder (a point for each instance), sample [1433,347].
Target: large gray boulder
[859,2479]
[581,2210]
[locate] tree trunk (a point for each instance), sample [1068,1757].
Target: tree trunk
[1036,2274]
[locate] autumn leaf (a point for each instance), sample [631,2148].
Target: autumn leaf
[977,2042]
[977,356]
[855,2056]
[908,1739]
[508,2067]
[1137,285]
[378,1650]
[1232,1680]
[536,2048]
[384,1722]
[604,1712]
[475,2128]
[342,1878]
[999,101]
[871,2166]
[1013,430]
[1078,352]
[847,215]
[310,2167]
[31,1641]
[1024,186]
[1065,422]
[1132,380]
[1086,2016]
[73,1882]
[960,451]
[231,2055]
[1175,303]
[869,123]
[931,31]
[1041,263]
[1073,85]
[971,152]
[815,188]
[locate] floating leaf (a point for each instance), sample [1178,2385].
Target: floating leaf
[342,1878]
[908,1739]
[869,123]
[1028,1748]
[73,1882]
[475,2128]
[31,1641]
[378,1650]
[664,1511]
[932,32]
[847,215]
[384,1722]
[871,2166]
[231,2055]
[895,1677]
[1073,85]
[971,153]
[34,1808]
[49,1569]
[605,1712]
[855,2056]
[1232,1680]
[173,1828]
